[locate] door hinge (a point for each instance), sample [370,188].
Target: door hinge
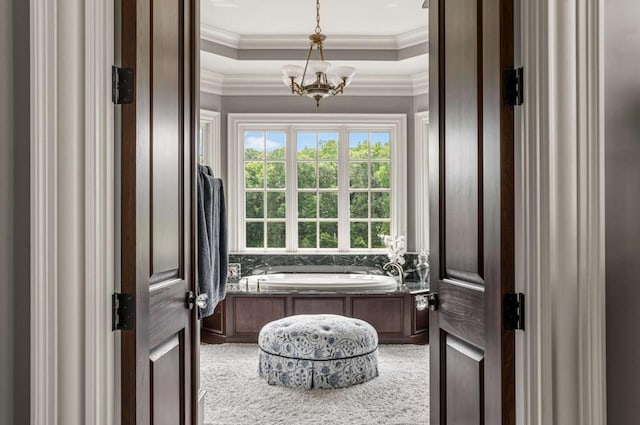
[514,86]
[122,312]
[122,82]
[513,311]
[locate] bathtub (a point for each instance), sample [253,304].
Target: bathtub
[320,282]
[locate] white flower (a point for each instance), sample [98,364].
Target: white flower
[396,248]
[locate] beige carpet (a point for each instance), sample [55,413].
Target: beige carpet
[237,396]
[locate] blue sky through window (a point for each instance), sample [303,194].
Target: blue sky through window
[306,140]
[275,141]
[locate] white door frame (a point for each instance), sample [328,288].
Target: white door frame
[560,222]
[72,212]
[560,215]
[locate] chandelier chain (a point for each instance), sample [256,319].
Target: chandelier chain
[318,30]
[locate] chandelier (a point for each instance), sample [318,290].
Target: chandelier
[313,80]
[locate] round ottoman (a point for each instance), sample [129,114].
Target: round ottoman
[318,351]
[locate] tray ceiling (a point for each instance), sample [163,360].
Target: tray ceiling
[297,17]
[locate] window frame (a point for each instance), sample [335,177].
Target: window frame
[396,124]
[209,149]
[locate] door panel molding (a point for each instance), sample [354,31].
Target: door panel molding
[455,302]
[464,362]
[560,214]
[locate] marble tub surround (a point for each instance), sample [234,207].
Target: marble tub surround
[253,264]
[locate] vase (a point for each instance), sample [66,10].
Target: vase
[422,267]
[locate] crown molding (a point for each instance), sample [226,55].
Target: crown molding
[420,83]
[272,85]
[337,42]
[412,38]
[220,36]
[211,82]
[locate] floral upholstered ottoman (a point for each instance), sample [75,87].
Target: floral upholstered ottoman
[318,351]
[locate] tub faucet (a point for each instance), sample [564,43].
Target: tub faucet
[398,268]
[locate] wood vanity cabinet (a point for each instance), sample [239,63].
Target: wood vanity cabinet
[240,316]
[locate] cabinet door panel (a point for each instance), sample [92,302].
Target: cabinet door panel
[251,314]
[386,314]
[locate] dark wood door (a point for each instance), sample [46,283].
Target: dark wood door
[472,212]
[159,41]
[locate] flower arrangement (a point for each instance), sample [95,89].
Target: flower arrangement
[395,248]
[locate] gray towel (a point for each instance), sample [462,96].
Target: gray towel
[212,240]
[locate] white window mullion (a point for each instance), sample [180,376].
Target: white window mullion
[369,194]
[343,190]
[235,166]
[264,192]
[291,192]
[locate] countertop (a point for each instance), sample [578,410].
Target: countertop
[411,287]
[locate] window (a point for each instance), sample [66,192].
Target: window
[265,179]
[317,188]
[315,182]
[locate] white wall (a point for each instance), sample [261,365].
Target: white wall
[14,212]
[622,181]
[341,104]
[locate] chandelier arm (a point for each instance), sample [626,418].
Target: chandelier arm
[321,51]
[306,65]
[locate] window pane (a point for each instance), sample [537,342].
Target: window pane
[306,175]
[255,235]
[359,174]
[307,235]
[253,145]
[276,175]
[358,145]
[306,145]
[359,205]
[328,175]
[276,205]
[328,145]
[254,204]
[276,235]
[276,145]
[306,205]
[328,205]
[381,205]
[359,235]
[380,175]
[328,235]
[379,229]
[380,146]
[254,175]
